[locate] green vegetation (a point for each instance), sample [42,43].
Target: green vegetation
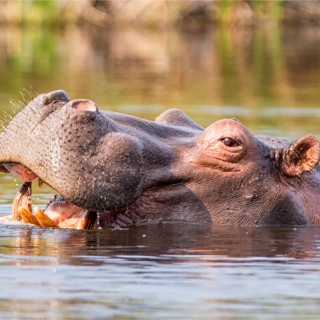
[49,12]
[129,69]
[159,13]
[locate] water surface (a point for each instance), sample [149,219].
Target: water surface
[160,272]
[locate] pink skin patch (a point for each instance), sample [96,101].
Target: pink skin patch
[83,104]
[5,219]
[66,214]
[20,171]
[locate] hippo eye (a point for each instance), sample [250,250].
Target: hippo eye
[229,142]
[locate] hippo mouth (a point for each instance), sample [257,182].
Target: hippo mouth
[59,213]
[93,159]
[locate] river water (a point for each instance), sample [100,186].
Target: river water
[160,272]
[269,79]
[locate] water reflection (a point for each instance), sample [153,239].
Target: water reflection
[144,72]
[182,271]
[160,242]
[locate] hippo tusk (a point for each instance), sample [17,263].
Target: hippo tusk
[22,199]
[40,219]
[28,217]
[43,219]
[87,221]
[91,219]
[22,210]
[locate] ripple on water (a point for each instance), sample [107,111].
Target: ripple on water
[160,272]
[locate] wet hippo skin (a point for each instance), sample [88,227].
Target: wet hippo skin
[129,171]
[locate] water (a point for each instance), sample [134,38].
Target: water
[172,272]
[160,272]
[268,79]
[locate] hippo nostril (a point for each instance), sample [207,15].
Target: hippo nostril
[44,100]
[58,95]
[83,104]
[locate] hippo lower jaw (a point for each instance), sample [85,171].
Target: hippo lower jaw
[60,212]
[63,213]
[67,215]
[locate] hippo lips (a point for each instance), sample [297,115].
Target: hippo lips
[59,212]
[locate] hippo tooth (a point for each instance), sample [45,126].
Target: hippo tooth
[28,217]
[43,219]
[87,221]
[22,199]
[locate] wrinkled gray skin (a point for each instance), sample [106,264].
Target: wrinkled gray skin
[134,171]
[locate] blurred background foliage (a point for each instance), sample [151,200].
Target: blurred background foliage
[159,13]
[256,60]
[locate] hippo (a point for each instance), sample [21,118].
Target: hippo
[118,171]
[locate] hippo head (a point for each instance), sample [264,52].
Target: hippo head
[133,171]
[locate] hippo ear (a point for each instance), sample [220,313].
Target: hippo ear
[301,156]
